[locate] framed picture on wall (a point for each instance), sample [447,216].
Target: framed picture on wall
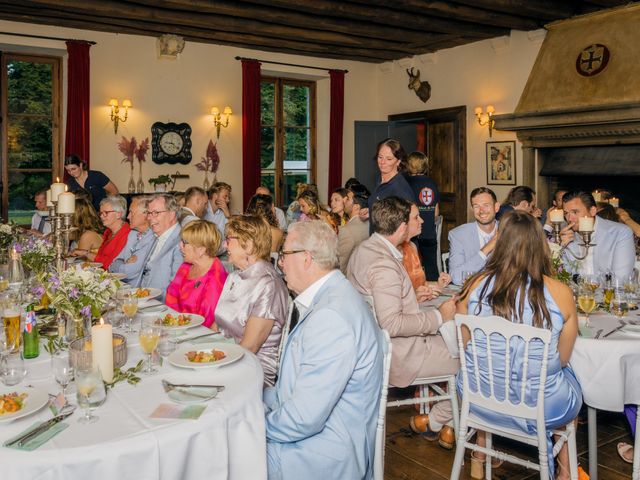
[501,163]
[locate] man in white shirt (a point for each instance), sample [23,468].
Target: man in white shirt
[195,205]
[39,224]
[218,206]
[280,216]
[471,243]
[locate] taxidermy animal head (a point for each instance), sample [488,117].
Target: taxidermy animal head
[422,89]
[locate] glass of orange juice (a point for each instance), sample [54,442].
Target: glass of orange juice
[149,337]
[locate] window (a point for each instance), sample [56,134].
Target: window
[288,135]
[30,139]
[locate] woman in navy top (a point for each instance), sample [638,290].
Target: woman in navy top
[96,183]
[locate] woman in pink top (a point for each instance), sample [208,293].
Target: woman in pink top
[198,282]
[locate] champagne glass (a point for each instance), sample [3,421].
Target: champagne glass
[130,308]
[586,301]
[619,304]
[149,337]
[90,393]
[167,343]
[62,370]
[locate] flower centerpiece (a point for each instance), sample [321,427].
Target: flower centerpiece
[209,163]
[560,271]
[141,155]
[9,234]
[37,254]
[128,148]
[80,294]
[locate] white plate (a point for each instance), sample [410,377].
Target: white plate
[233,354]
[85,264]
[153,293]
[196,321]
[36,399]
[183,396]
[118,275]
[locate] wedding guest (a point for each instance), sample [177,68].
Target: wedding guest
[88,234]
[113,211]
[218,205]
[294,213]
[312,210]
[337,202]
[195,205]
[253,305]
[613,249]
[426,197]
[165,257]
[470,244]
[625,218]
[321,415]
[356,229]
[39,224]
[262,206]
[521,266]
[141,239]
[520,198]
[626,450]
[96,183]
[376,269]
[280,215]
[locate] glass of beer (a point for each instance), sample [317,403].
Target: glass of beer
[11,311]
[149,337]
[586,301]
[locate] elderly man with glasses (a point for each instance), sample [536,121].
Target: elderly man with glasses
[165,257]
[321,414]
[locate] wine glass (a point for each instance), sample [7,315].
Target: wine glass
[586,301]
[130,308]
[609,282]
[149,337]
[167,343]
[590,281]
[90,393]
[4,283]
[619,304]
[62,370]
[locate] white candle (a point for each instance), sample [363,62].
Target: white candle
[597,196]
[102,349]
[556,215]
[66,203]
[49,202]
[614,202]
[56,189]
[585,224]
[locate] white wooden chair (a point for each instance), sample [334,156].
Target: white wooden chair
[445,262]
[378,459]
[438,222]
[425,384]
[483,393]
[285,331]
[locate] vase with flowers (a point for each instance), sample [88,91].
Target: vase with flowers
[141,155]
[128,148]
[209,163]
[37,254]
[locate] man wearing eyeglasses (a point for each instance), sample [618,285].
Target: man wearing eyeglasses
[165,257]
[321,414]
[141,239]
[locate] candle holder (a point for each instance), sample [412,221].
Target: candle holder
[557,228]
[61,226]
[586,244]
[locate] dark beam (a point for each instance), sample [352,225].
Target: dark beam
[542,9]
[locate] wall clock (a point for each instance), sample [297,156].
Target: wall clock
[171,143]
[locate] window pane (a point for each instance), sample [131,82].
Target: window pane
[296,105]
[22,187]
[291,179]
[297,148]
[267,148]
[29,87]
[267,103]
[268,179]
[29,142]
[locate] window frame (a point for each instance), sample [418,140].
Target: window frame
[56,120]
[280,128]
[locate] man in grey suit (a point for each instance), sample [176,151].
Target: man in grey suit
[165,257]
[471,243]
[195,205]
[356,229]
[614,250]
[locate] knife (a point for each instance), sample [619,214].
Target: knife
[44,426]
[620,327]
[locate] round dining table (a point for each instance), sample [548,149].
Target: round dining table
[227,441]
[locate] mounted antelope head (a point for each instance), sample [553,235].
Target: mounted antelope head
[422,89]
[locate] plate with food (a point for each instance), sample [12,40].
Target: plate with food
[84,265]
[17,402]
[146,294]
[206,355]
[179,321]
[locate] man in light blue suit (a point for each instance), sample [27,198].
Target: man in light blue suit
[471,243]
[164,259]
[614,249]
[321,414]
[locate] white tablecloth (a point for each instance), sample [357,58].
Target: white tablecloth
[227,441]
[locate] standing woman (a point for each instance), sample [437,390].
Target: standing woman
[427,198]
[93,181]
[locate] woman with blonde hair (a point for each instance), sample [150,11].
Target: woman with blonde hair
[262,206]
[199,280]
[312,210]
[253,305]
[87,237]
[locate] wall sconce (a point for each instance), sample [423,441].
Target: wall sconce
[217,118]
[115,112]
[485,118]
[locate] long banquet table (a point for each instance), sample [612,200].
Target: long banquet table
[227,441]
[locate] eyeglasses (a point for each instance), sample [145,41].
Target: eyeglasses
[282,253]
[104,213]
[155,213]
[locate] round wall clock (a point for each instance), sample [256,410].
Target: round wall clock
[171,143]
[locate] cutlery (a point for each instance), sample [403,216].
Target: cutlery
[619,327]
[182,340]
[598,333]
[170,386]
[43,427]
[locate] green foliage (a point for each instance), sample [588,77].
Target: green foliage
[129,375]
[160,179]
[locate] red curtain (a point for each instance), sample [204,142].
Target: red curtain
[77,133]
[250,129]
[336,119]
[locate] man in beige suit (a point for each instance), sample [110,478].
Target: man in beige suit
[376,269]
[356,229]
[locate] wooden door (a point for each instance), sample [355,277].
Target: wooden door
[442,133]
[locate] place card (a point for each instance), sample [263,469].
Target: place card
[56,403]
[189,412]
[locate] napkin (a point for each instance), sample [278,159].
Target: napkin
[39,439]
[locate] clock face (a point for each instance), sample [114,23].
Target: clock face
[171,143]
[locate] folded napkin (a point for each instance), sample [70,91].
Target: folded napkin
[39,439]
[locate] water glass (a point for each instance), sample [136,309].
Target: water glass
[12,369]
[62,369]
[619,305]
[90,393]
[167,343]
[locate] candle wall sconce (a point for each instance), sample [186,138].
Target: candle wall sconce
[485,119]
[217,118]
[115,112]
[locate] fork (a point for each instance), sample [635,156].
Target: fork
[170,386]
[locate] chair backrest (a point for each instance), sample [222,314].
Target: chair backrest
[285,330]
[438,222]
[445,262]
[378,459]
[488,335]
[369,300]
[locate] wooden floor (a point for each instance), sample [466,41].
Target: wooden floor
[409,456]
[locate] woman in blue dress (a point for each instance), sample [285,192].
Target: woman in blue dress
[516,284]
[94,182]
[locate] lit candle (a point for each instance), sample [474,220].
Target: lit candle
[66,203]
[585,224]
[102,349]
[597,196]
[49,202]
[56,189]
[556,215]
[614,202]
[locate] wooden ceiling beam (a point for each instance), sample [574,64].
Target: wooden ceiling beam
[542,9]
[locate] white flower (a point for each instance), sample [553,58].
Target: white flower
[555,250]
[5,228]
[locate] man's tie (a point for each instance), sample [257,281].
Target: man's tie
[41,224]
